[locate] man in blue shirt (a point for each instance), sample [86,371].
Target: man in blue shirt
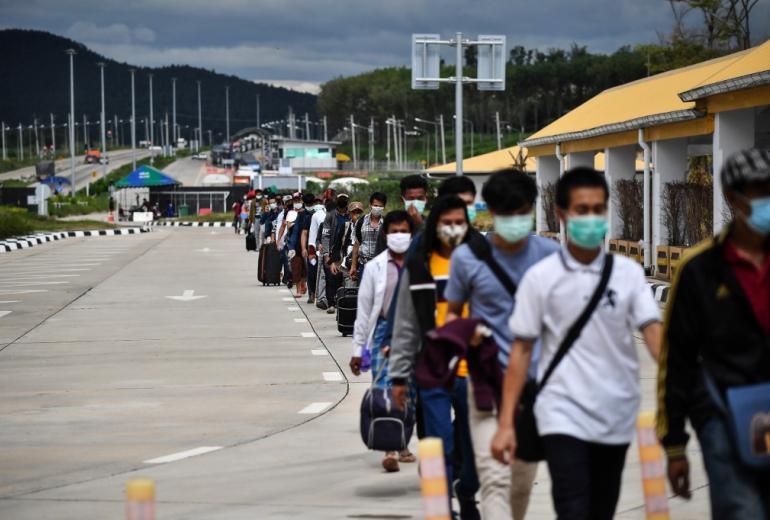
[510,196]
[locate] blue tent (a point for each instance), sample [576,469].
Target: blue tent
[144,177]
[56,180]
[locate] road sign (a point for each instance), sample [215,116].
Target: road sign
[94,174]
[425,61]
[491,62]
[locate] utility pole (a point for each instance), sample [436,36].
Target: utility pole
[387,153]
[21,142]
[227,110]
[326,133]
[37,142]
[104,125]
[353,137]
[174,133]
[133,123]
[152,120]
[2,127]
[499,137]
[459,104]
[168,145]
[200,123]
[371,143]
[443,139]
[71,53]
[258,121]
[53,137]
[86,144]
[115,140]
[307,128]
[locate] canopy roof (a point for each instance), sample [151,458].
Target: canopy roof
[144,177]
[664,98]
[506,158]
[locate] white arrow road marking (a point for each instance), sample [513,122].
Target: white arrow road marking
[183,455]
[296,320]
[315,408]
[187,296]
[9,301]
[30,283]
[319,352]
[332,376]
[308,335]
[33,276]
[25,291]
[4,313]
[292,308]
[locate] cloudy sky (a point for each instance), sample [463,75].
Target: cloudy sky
[302,43]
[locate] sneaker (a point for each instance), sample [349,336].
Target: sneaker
[311,298]
[331,310]
[322,305]
[468,508]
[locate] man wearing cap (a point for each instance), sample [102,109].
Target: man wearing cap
[717,338]
[345,243]
[335,224]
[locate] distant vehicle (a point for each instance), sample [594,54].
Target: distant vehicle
[93,156]
[249,160]
[202,156]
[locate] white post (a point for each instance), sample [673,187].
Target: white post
[733,131]
[152,119]
[174,132]
[646,201]
[133,123]
[21,142]
[227,113]
[2,128]
[37,141]
[200,119]
[371,143]
[499,137]
[326,133]
[670,160]
[387,131]
[104,125]
[443,140]
[353,138]
[307,127]
[53,138]
[619,164]
[71,53]
[459,105]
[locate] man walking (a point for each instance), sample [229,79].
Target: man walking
[716,340]
[587,404]
[365,235]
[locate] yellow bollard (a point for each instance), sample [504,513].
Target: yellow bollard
[435,498]
[140,499]
[653,468]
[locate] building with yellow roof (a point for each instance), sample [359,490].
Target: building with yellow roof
[712,108]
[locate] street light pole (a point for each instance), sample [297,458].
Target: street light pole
[152,120]
[53,136]
[258,111]
[326,133]
[459,104]
[307,128]
[21,142]
[227,111]
[174,133]
[443,139]
[133,123]
[499,137]
[200,123]
[353,137]
[104,125]
[2,127]
[71,53]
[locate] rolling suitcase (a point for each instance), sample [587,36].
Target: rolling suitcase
[251,242]
[347,303]
[269,268]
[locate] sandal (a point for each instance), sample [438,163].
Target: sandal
[406,456]
[390,462]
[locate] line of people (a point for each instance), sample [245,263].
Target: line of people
[515,349]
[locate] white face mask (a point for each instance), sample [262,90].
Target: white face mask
[377,210]
[398,242]
[297,205]
[451,235]
[318,207]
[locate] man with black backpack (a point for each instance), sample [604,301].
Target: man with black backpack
[365,235]
[484,274]
[584,306]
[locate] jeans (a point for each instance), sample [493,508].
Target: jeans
[585,476]
[736,493]
[320,290]
[504,489]
[437,404]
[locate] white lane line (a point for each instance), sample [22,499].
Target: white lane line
[292,308]
[183,455]
[20,284]
[39,271]
[288,299]
[315,408]
[9,301]
[320,352]
[4,313]
[308,334]
[39,276]
[25,291]
[300,320]
[332,376]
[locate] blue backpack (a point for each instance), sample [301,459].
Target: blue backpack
[385,427]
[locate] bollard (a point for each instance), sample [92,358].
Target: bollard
[140,499]
[653,468]
[435,498]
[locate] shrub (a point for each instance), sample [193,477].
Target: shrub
[14,222]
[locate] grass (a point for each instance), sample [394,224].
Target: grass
[16,222]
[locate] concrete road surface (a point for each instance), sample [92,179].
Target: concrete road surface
[188,171]
[82,171]
[160,355]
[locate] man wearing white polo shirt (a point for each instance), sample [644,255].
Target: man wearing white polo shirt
[586,410]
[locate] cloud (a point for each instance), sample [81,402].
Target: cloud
[298,85]
[90,33]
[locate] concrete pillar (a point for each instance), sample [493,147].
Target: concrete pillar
[733,131]
[584,159]
[547,172]
[619,164]
[669,159]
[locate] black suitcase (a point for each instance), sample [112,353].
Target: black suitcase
[347,303]
[269,266]
[251,242]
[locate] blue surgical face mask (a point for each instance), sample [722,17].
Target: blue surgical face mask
[418,204]
[759,220]
[513,228]
[587,231]
[472,212]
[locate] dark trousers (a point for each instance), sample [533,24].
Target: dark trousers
[333,282]
[286,267]
[312,271]
[737,493]
[585,477]
[437,405]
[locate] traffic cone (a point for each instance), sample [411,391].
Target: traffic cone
[110,217]
[653,468]
[140,499]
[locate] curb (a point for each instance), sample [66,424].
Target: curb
[660,291]
[193,224]
[15,244]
